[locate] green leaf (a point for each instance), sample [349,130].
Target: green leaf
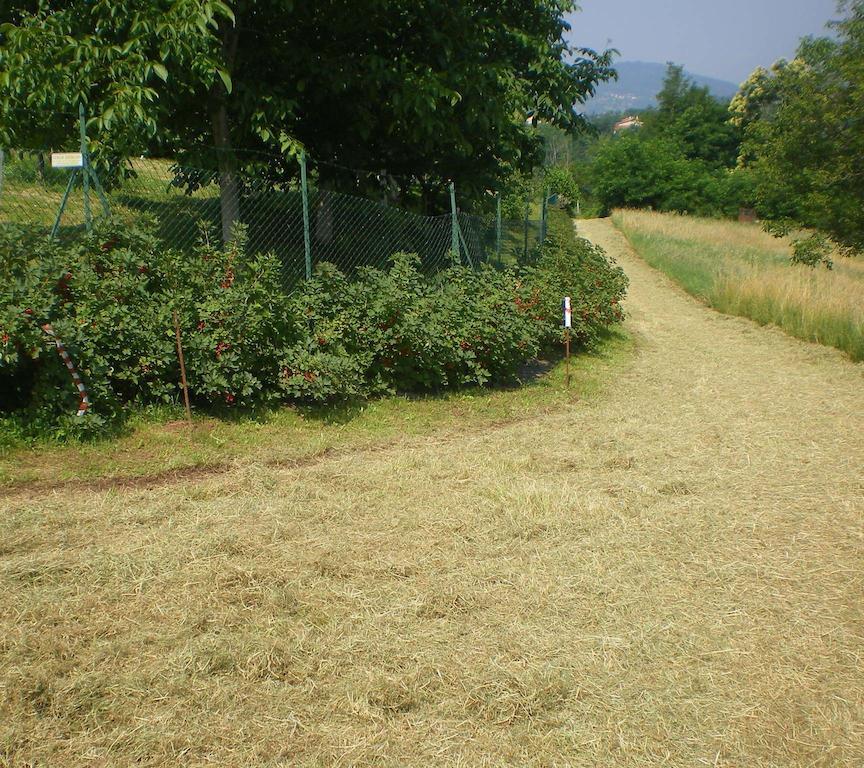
[160,71]
[226,79]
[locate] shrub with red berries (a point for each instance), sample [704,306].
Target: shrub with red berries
[110,295]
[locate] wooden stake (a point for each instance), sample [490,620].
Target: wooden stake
[182,369]
[567,356]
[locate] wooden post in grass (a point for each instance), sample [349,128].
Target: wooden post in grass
[568,324]
[182,369]
[567,357]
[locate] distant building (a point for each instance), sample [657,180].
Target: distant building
[631,121]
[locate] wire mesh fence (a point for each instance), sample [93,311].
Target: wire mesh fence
[302,225]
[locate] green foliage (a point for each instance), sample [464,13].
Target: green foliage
[682,159]
[562,181]
[461,79]
[111,295]
[395,330]
[803,139]
[581,270]
[635,171]
[812,251]
[697,122]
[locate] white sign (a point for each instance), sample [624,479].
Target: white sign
[568,315]
[67,160]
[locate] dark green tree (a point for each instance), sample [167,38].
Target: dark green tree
[422,92]
[698,122]
[682,159]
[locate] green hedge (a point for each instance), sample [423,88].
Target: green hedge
[110,296]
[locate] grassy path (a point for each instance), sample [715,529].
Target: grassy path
[666,574]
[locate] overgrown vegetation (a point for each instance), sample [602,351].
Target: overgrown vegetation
[740,270]
[681,159]
[110,296]
[788,146]
[803,143]
[198,80]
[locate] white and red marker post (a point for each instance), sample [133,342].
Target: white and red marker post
[568,324]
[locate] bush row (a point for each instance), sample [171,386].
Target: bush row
[112,294]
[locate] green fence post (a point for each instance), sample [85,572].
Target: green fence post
[85,161]
[56,228]
[527,214]
[2,170]
[307,240]
[454,223]
[498,226]
[543,214]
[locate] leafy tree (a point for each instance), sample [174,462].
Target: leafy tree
[634,171]
[803,138]
[690,115]
[419,92]
[682,159]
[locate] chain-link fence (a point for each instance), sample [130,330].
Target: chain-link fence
[303,224]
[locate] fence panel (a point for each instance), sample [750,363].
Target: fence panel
[183,203]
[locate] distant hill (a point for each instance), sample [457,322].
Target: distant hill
[638,84]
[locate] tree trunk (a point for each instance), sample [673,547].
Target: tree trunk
[229,188]
[229,192]
[324,221]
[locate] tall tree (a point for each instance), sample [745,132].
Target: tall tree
[690,115]
[419,90]
[803,124]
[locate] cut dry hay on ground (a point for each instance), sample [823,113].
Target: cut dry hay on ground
[668,573]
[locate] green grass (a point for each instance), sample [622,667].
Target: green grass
[739,270]
[150,445]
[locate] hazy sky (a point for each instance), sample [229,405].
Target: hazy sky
[721,38]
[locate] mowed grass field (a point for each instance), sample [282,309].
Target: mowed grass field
[659,567]
[741,270]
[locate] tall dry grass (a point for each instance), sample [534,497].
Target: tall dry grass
[741,270]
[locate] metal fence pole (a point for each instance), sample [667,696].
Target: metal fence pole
[56,228]
[527,214]
[307,239]
[454,227]
[498,225]
[85,161]
[543,214]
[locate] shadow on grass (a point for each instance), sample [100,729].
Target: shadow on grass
[22,429]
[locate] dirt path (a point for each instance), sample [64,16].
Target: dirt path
[668,574]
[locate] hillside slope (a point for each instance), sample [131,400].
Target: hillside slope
[638,84]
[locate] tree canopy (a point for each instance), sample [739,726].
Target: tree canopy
[803,125]
[681,159]
[425,90]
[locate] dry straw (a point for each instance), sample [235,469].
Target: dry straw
[667,574]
